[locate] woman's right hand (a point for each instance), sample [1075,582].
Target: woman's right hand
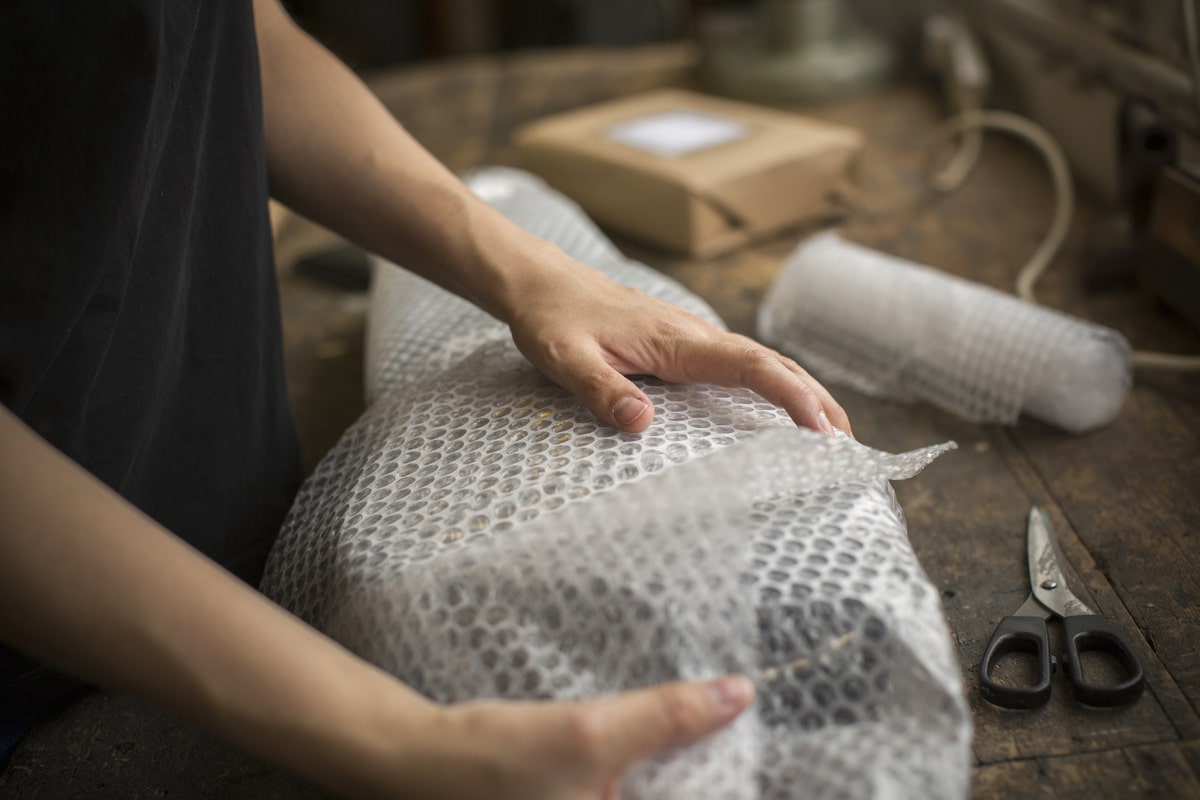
[563,750]
[98,589]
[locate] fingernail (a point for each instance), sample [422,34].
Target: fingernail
[731,693]
[628,410]
[826,426]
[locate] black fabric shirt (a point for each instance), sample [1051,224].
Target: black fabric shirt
[139,318]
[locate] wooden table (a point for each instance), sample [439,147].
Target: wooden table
[1125,500]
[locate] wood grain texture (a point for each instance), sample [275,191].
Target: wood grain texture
[1154,771]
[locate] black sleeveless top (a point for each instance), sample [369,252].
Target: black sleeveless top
[139,315]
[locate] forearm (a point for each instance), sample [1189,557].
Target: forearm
[336,155]
[90,585]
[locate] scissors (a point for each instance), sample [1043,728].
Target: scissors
[1083,631]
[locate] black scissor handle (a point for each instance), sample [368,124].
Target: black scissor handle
[1017,635]
[1092,632]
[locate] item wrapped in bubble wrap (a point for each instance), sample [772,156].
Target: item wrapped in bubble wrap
[892,328]
[478,534]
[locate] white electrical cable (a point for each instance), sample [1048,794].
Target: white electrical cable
[1060,175]
[950,49]
[961,164]
[1064,205]
[1168,361]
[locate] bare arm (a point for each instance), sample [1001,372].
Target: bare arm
[89,584]
[336,155]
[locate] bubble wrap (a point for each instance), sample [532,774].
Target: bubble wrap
[892,328]
[478,534]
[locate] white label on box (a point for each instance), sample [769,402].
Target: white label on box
[676,133]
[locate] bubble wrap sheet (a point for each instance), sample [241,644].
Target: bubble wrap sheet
[477,533]
[893,328]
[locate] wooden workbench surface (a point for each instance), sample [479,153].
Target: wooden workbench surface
[1125,500]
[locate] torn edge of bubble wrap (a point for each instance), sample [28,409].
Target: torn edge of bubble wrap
[775,462]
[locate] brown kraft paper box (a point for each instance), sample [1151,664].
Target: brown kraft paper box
[691,173]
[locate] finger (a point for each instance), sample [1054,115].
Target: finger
[608,394]
[833,409]
[637,724]
[740,361]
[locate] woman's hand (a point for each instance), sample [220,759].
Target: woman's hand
[586,333]
[98,589]
[337,156]
[564,751]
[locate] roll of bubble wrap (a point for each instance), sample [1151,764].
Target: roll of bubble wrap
[892,328]
[478,534]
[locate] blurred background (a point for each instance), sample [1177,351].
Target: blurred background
[372,34]
[1074,66]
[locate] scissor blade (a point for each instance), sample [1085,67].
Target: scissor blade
[1045,568]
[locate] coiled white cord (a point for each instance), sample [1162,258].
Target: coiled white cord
[955,173]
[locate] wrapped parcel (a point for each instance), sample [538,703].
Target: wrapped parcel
[478,534]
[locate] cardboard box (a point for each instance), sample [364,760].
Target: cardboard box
[689,172]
